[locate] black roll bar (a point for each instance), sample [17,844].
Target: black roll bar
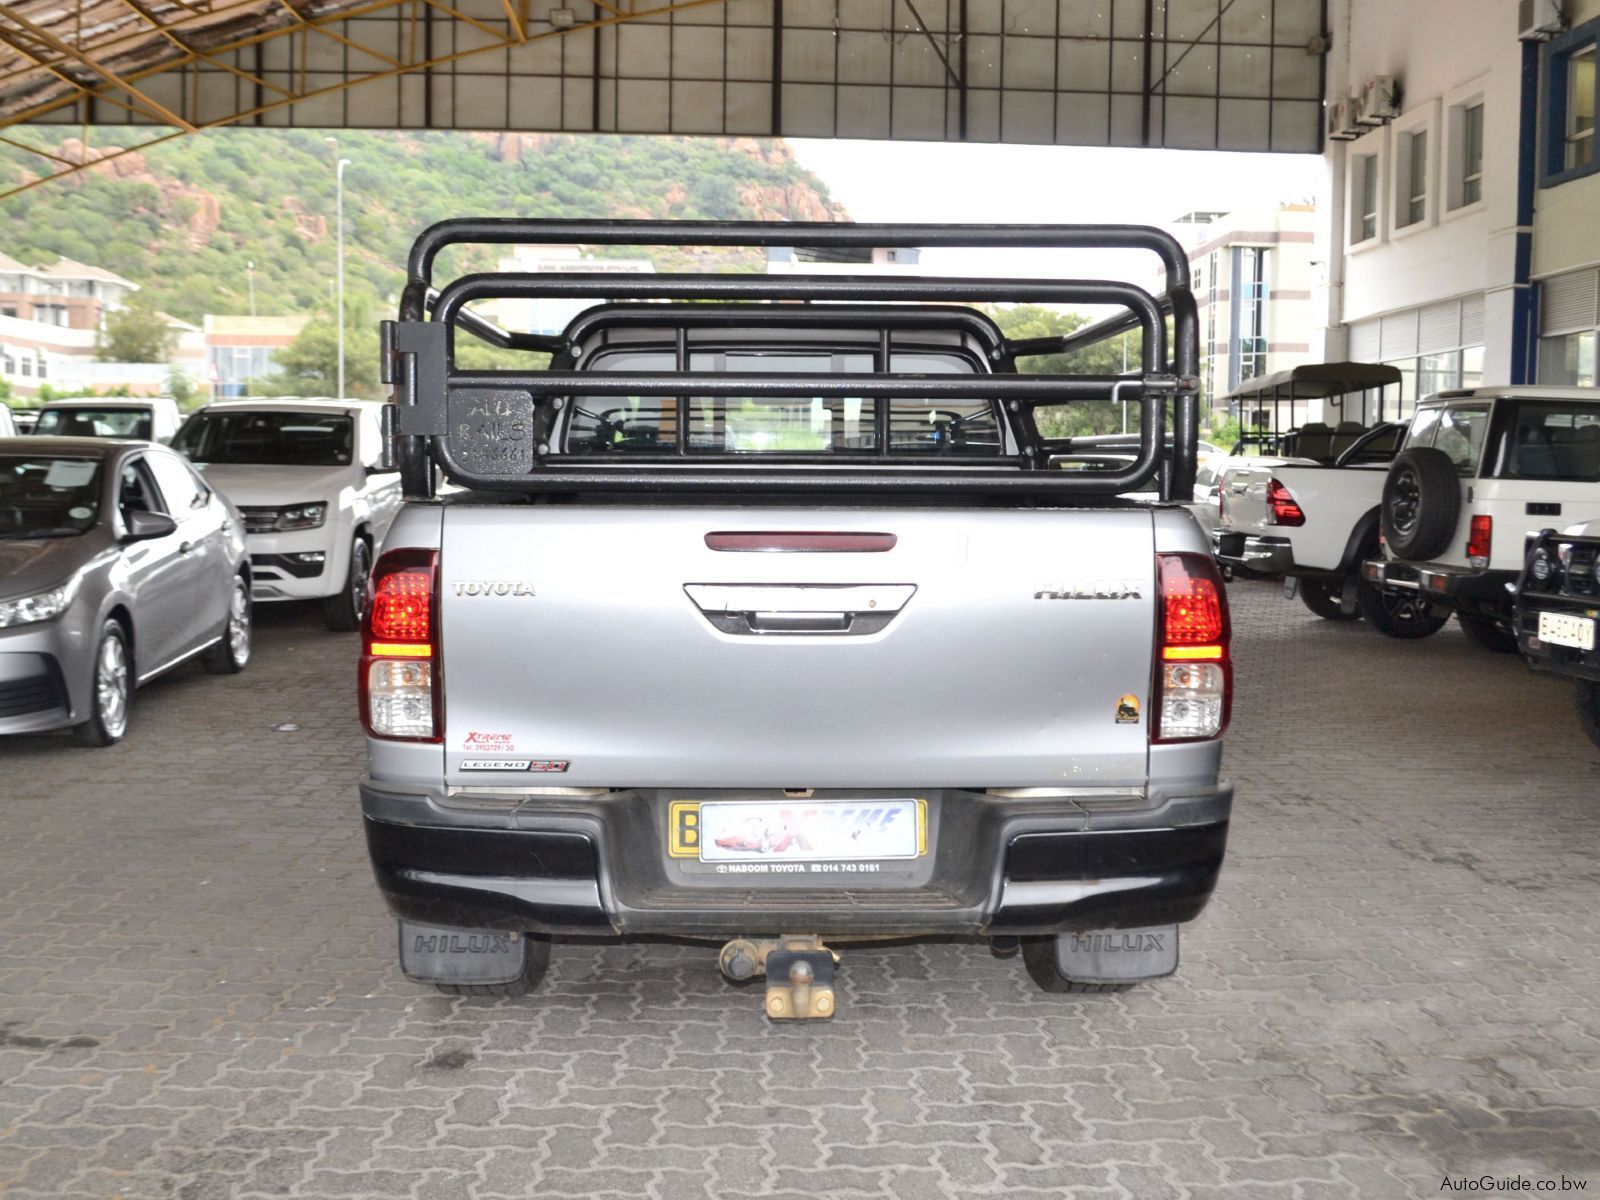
[436,404]
[508,231]
[454,297]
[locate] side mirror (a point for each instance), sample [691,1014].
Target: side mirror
[143,525]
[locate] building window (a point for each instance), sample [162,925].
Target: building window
[1472,154]
[1580,109]
[1210,382]
[27,365]
[1251,353]
[1569,100]
[1568,359]
[1466,154]
[1364,212]
[1411,206]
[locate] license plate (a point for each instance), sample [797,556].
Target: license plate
[1559,629]
[718,831]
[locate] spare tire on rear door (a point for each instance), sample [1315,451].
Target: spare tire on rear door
[1421,503]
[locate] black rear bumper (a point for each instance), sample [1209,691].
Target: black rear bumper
[597,865]
[1481,593]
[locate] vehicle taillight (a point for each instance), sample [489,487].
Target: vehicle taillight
[399,679]
[1283,507]
[1479,537]
[1194,675]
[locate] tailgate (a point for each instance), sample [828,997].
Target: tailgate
[609,646]
[1242,500]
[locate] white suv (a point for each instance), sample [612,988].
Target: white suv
[316,504]
[1479,471]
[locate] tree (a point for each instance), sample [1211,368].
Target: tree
[1081,417]
[181,387]
[309,365]
[136,333]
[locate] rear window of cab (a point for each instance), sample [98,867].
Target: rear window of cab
[758,425]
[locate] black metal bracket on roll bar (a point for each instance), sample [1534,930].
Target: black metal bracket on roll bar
[483,428]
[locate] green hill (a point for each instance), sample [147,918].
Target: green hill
[184,218]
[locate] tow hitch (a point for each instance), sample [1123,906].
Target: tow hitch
[799,971]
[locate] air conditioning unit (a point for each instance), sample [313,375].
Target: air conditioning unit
[1342,125]
[1539,20]
[1379,102]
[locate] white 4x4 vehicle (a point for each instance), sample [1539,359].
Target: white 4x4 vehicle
[1480,471]
[316,504]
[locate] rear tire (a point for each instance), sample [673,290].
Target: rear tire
[229,656]
[1588,698]
[533,973]
[1398,612]
[110,692]
[342,612]
[1493,635]
[1421,503]
[1039,957]
[1322,596]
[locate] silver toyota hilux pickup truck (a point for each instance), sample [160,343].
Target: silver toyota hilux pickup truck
[763,614]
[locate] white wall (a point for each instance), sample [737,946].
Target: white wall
[1442,52]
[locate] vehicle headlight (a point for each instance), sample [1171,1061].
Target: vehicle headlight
[302,516]
[42,606]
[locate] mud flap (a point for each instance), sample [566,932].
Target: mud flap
[441,954]
[1118,955]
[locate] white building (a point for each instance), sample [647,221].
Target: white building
[1464,227]
[551,315]
[863,260]
[1253,276]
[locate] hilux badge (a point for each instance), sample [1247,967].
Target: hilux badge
[1095,589]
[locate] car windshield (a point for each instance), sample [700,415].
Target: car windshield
[287,439]
[45,496]
[95,422]
[1550,439]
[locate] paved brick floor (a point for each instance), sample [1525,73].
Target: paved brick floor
[1397,980]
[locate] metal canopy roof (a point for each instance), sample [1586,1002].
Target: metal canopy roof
[1317,380]
[1193,74]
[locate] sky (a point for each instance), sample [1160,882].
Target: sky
[933,181]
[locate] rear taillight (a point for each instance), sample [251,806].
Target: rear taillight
[1283,506]
[1194,676]
[399,680]
[1479,537]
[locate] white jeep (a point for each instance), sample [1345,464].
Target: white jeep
[1478,473]
[316,503]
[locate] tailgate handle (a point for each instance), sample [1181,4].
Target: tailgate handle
[765,608]
[798,622]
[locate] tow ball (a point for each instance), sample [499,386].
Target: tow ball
[799,971]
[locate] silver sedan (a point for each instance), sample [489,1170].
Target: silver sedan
[117,562]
